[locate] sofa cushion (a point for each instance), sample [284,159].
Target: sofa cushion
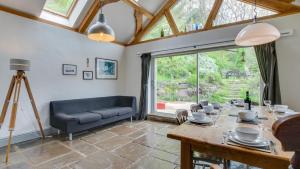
[86,117]
[111,112]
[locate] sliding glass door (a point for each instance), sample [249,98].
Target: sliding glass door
[227,74]
[217,76]
[175,82]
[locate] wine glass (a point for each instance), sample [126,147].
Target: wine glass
[272,109]
[214,117]
[268,104]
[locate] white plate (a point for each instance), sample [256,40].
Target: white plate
[206,120]
[254,142]
[261,144]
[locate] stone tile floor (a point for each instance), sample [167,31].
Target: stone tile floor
[124,145]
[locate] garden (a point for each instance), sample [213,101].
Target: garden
[223,75]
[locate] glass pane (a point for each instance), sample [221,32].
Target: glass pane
[233,11]
[161,29]
[191,15]
[61,7]
[228,74]
[176,83]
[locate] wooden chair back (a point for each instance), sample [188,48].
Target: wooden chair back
[195,107]
[287,131]
[181,116]
[215,167]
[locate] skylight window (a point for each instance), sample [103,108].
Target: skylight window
[60,7]
[234,11]
[161,29]
[191,15]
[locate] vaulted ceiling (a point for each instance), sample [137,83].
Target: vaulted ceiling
[132,19]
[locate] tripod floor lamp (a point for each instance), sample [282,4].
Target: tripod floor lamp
[14,90]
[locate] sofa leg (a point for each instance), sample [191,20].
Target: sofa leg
[58,132]
[70,136]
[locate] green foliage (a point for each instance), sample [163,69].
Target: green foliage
[176,76]
[189,12]
[59,6]
[156,32]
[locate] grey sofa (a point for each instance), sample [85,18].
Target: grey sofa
[71,116]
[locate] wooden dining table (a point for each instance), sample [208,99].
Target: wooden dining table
[210,140]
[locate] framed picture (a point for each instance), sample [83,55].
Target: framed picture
[87,75]
[68,69]
[106,69]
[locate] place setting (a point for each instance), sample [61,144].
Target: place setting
[205,117]
[249,138]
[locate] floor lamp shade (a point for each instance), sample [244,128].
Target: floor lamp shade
[20,64]
[101,31]
[257,34]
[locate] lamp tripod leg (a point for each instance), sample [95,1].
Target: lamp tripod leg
[8,147]
[36,113]
[13,114]
[7,100]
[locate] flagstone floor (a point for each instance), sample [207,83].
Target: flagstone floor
[124,145]
[137,145]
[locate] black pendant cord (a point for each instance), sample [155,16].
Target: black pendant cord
[101,5]
[255,11]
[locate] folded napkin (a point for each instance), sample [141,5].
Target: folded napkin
[255,121]
[266,149]
[259,117]
[198,124]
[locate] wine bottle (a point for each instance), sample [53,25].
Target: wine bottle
[247,101]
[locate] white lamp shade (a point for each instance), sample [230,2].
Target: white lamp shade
[257,34]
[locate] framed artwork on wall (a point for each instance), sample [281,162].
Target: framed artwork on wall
[68,69]
[87,75]
[106,69]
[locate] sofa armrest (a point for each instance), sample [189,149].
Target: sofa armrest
[128,101]
[65,117]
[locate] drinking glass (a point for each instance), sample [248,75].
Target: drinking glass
[272,109]
[214,117]
[268,104]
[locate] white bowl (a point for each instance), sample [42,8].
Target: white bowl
[247,115]
[281,108]
[199,115]
[246,133]
[208,108]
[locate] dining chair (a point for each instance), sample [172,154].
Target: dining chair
[199,159]
[285,129]
[215,167]
[181,116]
[195,107]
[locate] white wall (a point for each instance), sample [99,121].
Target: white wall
[287,48]
[48,48]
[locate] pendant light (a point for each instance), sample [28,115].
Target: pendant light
[257,33]
[100,31]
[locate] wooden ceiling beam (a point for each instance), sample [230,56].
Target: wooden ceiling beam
[92,13]
[138,21]
[213,14]
[154,20]
[139,8]
[32,17]
[171,22]
[274,5]
[288,1]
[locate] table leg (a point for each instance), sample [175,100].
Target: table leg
[186,156]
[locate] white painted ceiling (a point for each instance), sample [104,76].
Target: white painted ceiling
[33,7]
[118,15]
